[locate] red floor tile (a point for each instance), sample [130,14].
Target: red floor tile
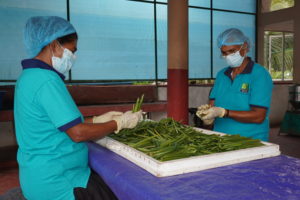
[9,177]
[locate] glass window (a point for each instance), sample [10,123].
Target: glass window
[162,43]
[13,15]
[162,1]
[225,20]
[117,37]
[116,40]
[200,3]
[236,5]
[199,43]
[278,54]
[288,56]
[281,4]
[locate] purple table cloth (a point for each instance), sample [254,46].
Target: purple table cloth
[271,178]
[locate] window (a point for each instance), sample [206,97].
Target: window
[13,15]
[278,47]
[199,43]
[281,4]
[225,20]
[236,5]
[162,40]
[126,40]
[200,3]
[273,5]
[116,40]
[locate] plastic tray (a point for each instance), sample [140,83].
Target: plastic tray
[190,164]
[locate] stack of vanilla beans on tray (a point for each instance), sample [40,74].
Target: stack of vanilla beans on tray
[169,140]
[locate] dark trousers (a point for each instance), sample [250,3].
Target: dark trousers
[96,190]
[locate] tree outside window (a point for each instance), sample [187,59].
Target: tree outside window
[278,53]
[281,4]
[273,5]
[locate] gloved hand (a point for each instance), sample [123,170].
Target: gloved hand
[127,120]
[202,110]
[208,121]
[214,112]
[106,117]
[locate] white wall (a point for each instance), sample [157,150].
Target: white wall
[279,104]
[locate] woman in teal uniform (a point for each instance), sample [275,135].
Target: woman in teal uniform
[51,132]
[240,98]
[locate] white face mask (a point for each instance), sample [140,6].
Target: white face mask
[234,59]
[65,63]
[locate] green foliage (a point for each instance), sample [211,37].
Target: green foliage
[138,104]
[143,83]
[281,4]
[169,140]
[278,75]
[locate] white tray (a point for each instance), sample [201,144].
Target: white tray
[191,164]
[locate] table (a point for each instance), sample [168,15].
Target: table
[271,178]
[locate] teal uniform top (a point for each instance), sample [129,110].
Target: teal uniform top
[251,88]
[51,165]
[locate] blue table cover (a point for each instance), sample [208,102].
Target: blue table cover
[270,178]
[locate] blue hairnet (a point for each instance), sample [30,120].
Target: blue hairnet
[232,36]
[42,30]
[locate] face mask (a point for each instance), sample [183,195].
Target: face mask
[234,59]
[63,64]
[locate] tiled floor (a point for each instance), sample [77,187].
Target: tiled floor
[289,145]
[9,176]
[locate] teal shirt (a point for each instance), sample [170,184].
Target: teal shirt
[51,165]
[251,88]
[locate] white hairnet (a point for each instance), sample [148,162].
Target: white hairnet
[42,30]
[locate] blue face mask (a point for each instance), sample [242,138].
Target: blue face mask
[65,63]
[234,59]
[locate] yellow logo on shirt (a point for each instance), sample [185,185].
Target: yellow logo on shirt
[245,88]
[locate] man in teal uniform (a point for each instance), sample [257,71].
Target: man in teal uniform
[52,154]
[240,98]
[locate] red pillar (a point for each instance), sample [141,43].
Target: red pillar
[177,92]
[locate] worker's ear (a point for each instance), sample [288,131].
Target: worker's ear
[245,49]
[55,48]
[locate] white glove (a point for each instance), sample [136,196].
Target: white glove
[202,110]
[127,120]
[106,117]
[208,121]
[214,112]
